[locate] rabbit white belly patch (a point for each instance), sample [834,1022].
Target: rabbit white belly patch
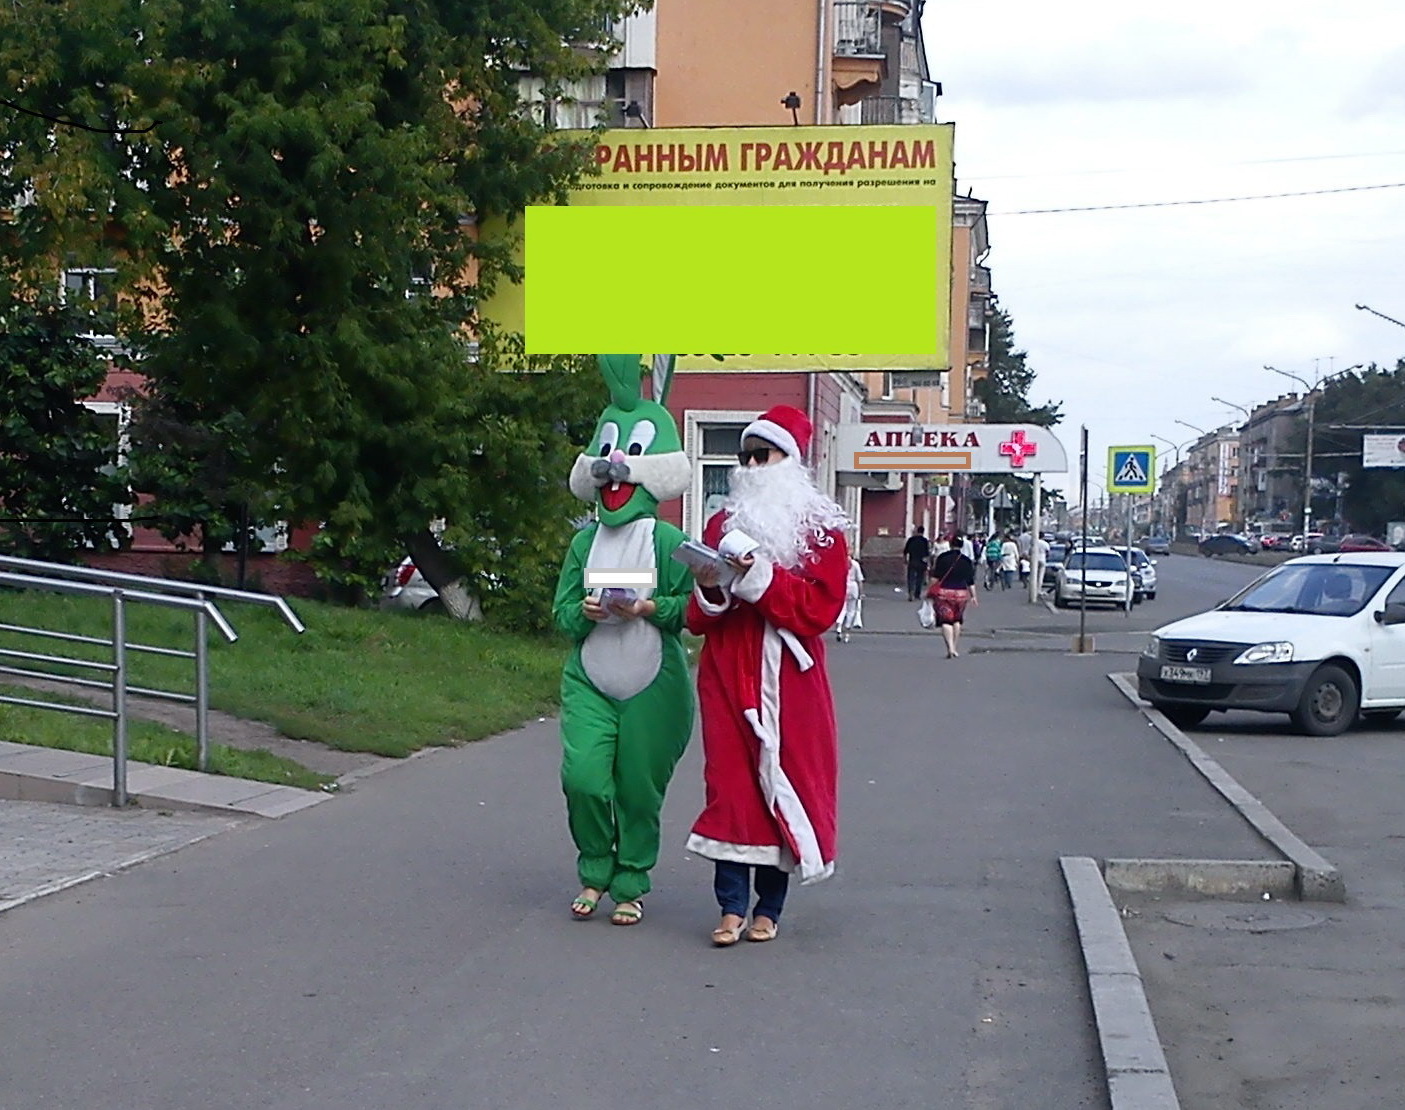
[621,657]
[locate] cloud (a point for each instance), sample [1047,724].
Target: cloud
[1382,91]
[1160,71]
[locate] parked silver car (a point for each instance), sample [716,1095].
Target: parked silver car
[404,587]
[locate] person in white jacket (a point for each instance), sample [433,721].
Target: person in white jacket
[852,616]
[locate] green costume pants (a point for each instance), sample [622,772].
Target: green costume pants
[617,759]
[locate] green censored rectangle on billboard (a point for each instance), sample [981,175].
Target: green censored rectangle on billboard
[724,278]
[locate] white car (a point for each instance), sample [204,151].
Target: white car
[1145,567]
[1321,638]
[1092,576]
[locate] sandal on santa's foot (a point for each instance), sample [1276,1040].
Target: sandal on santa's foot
[762,929]
[724,936]
[628,913]
[585,902]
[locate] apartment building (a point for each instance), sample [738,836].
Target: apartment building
[1270,489]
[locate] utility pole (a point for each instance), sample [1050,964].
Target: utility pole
[1311,401]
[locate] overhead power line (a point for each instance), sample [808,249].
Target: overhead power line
[1206,200]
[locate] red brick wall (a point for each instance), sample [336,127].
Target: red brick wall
[883,555]
[269,573]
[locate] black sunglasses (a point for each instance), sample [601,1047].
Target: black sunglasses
[760,454]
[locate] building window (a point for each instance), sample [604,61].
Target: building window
[712,437]
[115,417]
[95,291]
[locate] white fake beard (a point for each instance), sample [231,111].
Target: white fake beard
[781,508]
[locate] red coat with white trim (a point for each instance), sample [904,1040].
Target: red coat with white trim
[769,737]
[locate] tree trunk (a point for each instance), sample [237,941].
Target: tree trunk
[439,572]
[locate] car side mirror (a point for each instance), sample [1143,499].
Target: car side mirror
[1393,613]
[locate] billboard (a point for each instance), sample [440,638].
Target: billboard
[1383,451]
[858,270]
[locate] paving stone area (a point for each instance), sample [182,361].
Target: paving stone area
[49,846]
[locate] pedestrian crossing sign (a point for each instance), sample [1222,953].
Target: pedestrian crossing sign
[1131,470]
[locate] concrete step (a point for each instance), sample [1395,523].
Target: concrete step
[34,774]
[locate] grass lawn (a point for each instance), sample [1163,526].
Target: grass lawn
[360,680]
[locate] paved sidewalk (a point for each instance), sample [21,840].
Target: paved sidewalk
[49,846]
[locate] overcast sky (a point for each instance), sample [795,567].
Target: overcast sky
[1136,318]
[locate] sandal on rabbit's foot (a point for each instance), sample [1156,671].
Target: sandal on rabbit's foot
[628,913]
[585,902]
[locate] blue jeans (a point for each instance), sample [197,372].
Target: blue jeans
[915,576]
[731,883]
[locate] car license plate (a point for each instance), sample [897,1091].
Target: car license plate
[1185,674]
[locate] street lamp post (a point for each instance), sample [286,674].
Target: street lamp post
[1311,400]
[1176,466]
[1203,433]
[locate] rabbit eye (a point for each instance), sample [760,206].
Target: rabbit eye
[640,436]
[609,436]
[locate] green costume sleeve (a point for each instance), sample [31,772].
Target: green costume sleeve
[570,588]
[675,579]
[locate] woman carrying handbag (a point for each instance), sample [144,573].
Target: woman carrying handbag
[953,588]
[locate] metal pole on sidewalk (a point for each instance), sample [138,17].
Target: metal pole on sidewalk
[119,699]
[1036,572]
[1083,548]
[1127,605]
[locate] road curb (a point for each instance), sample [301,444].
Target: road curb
[1315,880]
[1137,1074]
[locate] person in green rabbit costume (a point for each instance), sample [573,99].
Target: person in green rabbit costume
[627,701]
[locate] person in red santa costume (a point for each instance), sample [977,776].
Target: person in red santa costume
[770,745]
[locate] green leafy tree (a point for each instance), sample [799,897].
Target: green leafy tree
[59,475]
[1369,402]
[1004,391]
[295,194]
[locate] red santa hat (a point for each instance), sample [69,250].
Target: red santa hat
[786,427]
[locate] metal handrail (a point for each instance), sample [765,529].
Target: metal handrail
[170,593]
[164,585]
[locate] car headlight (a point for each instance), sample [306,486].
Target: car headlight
[1153,648]
[1277,651]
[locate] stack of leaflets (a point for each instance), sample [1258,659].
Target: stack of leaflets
[698,556]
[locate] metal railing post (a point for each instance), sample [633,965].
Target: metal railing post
[119,699]
[202,692]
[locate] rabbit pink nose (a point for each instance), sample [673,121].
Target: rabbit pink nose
[617,456]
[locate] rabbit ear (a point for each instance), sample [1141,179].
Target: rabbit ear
[622,374]
[663,376]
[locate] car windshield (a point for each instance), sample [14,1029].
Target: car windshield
[1057,551]
[1095,560]
[1319,589]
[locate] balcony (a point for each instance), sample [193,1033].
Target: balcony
[894,109]
[857,31]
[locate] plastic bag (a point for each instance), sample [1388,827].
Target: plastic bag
[926,614]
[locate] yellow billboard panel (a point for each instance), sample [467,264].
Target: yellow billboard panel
[849,276]
[712,302]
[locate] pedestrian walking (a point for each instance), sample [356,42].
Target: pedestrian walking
[1009,561]
[770,745]
[852,616]
[992,560]
[918,550]
[953,588]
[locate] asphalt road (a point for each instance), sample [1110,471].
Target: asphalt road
[409,944]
